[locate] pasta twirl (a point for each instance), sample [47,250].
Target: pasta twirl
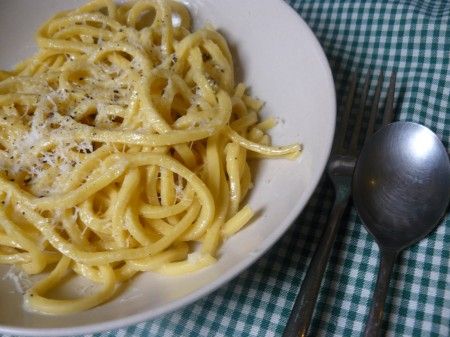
[123,141]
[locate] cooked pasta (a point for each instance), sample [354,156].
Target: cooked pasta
[124,146]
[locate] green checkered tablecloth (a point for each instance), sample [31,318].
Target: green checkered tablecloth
[412,37]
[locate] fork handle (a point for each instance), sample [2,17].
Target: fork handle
[303,309]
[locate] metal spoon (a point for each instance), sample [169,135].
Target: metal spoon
[401,189]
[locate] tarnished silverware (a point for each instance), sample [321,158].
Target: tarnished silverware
[340,170]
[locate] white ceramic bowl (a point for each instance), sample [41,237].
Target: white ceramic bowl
[279,57]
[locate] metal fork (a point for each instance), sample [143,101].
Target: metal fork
[340,170]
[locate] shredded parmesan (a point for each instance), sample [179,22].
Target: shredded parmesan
[19,278]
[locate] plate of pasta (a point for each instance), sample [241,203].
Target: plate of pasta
[150,151]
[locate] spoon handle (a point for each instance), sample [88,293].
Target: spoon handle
[373,327]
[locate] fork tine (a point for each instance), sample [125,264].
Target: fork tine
[348,108]
[374,108]
[389,107]
[359,118]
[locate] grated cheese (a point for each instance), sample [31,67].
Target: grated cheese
[20,279]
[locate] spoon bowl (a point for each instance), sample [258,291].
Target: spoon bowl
[401,184]
[401,189]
